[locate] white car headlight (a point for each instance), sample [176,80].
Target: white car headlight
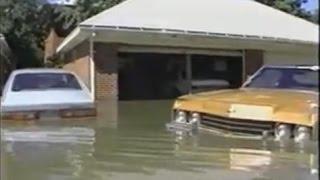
[283,132]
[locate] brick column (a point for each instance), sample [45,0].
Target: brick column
[106,71]
[51,44]
[77,60]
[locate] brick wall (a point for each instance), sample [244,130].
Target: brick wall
[106,70]
[106,66]
[106,74]
[81,68]
[78,62]
[51,44]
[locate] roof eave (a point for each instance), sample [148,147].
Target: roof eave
[82,32]
[75,37]
[195,33]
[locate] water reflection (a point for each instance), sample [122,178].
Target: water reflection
[131,142]
[33,148]
[65,135]
[249,159]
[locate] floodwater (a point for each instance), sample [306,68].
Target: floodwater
[129,141]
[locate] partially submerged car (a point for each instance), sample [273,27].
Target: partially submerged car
[31,94]
[278,101]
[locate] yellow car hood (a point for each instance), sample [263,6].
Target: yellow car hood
[287,106]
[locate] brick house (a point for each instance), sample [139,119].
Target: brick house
[130,49]
[51,44]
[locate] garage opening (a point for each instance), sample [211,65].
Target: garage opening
[215,72]
[146,76]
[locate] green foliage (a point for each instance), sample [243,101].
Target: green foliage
[315,16]
[19,24]
[26,24]
[293,7]
[71,16]
[55,62]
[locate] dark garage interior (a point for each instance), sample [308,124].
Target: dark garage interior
[146,76]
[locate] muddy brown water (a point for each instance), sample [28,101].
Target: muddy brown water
[128,140]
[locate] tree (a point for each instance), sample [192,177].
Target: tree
[315,16]
[19,24]
[26,24]
[293,7]
[71,16]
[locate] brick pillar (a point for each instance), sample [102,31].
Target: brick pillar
[253,61]
[106,71]
[51,44]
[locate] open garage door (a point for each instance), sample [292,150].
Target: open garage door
[215,72]
[168,75]
[149,76]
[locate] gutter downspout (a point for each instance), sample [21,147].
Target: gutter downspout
[189,72]
[244,64]
[92,64]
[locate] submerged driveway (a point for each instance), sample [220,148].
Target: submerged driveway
[128,140]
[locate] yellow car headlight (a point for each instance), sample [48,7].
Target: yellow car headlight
[302,133]
[180,116]
[283,132]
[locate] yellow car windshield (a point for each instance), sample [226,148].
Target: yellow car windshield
[286,78]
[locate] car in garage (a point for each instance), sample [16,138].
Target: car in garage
[277,101]
[31,94]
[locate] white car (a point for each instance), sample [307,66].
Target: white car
[42,93]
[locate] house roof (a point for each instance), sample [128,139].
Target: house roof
[227,18]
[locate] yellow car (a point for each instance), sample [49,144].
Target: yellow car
[277,101]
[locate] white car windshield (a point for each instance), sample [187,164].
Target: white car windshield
[286,78]
[45,81]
